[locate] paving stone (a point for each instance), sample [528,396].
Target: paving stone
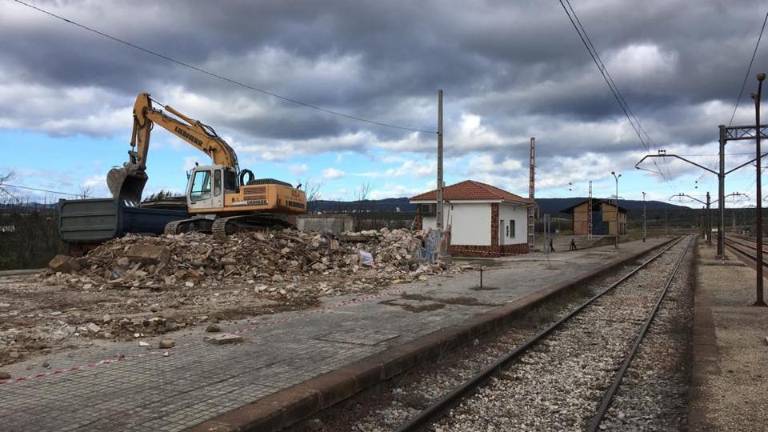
[223,338]
[142,390]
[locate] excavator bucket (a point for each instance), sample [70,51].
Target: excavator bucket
[127,184]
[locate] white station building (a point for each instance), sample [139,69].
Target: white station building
[482,220]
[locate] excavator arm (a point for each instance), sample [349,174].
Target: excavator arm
[196,133]
[127,183]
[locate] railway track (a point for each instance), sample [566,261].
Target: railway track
[534,379]
[745,248]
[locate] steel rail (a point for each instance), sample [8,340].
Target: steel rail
[751,244]
[451,398]
[605,403]
[738,246]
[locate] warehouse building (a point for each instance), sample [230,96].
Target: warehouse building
[482,220]
[603,217]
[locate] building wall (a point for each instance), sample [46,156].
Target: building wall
[609,216]
[519,214]
[330,223]
[470,223]
[581,219]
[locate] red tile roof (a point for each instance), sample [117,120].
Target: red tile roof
[470,190]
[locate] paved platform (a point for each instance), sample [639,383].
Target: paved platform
[730,352]
[126,387]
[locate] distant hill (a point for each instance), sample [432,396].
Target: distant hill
[546,205]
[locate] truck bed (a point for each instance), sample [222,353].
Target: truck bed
[92,221]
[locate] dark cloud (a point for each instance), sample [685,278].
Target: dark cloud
[510,70]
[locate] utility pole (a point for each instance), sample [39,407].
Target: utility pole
[709,221]
[644,226]
[531,196]
[439,207]
[721,195]
[589,213]
[759,199]
[616,241]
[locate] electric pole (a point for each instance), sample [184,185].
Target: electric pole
[532,196]
[709,220]
[439,207]
[589,211]
[616,241]
[644,226]
[759,199]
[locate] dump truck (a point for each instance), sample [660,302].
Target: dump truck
[85,223]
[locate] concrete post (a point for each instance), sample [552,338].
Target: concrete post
[439,207]
[721,196]
[759,199]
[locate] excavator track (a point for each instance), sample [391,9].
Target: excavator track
[187,225]
[224,226]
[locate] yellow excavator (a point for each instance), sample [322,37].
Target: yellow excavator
[220,198]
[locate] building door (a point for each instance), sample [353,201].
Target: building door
[501,232]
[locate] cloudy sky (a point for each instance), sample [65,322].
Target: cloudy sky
[510,71]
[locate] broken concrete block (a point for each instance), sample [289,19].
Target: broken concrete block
[63,264]
[213,328]
[166,343]
[223,338]
[148,253]
[92,327]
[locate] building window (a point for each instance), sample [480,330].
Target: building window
[507,228]
[511,229]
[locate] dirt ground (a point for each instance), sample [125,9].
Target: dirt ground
[730,375]
[37,317]
[137,287]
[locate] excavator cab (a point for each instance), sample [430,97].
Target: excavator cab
[207,186]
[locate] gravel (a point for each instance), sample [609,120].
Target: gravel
[558,383]
[555,386]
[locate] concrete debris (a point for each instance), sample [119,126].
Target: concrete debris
[147,253]
[223,338]
[166,343]
[282,265]
[142,286]
[213,328]
[64,264]
[4,375]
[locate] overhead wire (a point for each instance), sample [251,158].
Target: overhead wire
[743,84]
[4,185]
[633,120]
[222,77]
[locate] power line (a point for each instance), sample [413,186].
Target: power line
[38,190]
[749,68]
[222,77]
[630,115]
[743,84]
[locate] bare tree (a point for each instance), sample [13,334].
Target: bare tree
[361,194]
[312,189]
[85,191]
[5,195]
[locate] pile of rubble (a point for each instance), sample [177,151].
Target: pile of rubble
[282,265]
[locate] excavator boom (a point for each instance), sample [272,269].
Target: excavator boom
[127,183]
